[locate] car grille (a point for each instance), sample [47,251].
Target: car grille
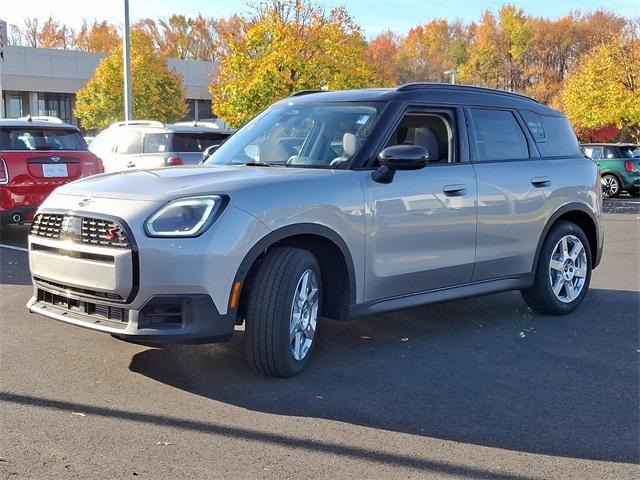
[89,230]
[97,231]
[47,225]
[96,311]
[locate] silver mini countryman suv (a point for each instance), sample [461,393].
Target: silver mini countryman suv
[327,204]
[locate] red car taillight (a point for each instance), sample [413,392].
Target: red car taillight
[4,173]
[175,162]
[628,166]
[100,166]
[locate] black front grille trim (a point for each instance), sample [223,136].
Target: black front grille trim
[94,311]
[84,292]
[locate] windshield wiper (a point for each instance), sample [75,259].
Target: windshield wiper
[256,163]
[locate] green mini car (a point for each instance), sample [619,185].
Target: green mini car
[619,165]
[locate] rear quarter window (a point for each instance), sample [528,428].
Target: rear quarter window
[29,139]
[554,136]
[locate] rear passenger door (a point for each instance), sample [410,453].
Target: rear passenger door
[513,187]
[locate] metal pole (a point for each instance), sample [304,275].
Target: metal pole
[126,57]
[3,41]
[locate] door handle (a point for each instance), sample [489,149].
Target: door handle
[131,164]
[454,190]
[540,181]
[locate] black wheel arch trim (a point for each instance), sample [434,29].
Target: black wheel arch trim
[570,207]
[293,230]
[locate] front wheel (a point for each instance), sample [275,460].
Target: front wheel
[282,313]
[610,186]
[563,272]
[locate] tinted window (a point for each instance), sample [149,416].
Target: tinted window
[610,152]
[594,153]
[195,142]
[553,135]
[630,152]
[498,135]
[41,139]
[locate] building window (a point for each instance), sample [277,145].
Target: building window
[13,105]
[55,105]
[204,109]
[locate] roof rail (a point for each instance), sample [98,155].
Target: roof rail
[42,118]
[450,86]
[198,123]
[305,92]
[145,123]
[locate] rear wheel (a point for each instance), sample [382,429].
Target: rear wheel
[563,272]
[282,312]
[610,186]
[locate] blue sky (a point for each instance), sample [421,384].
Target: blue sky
[373,15]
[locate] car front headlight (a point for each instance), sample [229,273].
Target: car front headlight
[185,217]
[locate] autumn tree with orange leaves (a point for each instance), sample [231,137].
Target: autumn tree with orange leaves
[286,46]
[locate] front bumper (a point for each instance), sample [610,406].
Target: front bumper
[163,319]
[114,288]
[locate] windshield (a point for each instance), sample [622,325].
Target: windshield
[630,152]
[319,135]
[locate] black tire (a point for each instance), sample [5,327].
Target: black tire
[540,297]
[611,186]
[269,310]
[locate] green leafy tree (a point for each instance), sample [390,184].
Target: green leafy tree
[284,47]
[605,88]
[158,92]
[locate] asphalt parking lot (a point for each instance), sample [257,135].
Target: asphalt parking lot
[478,388]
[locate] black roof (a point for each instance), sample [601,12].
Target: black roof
[439,93]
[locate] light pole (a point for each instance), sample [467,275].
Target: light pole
[126,58]
[453,74]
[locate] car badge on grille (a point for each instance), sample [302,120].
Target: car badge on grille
[85,201]
[112,233]
[54,158]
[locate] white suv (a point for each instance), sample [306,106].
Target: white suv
[144,144]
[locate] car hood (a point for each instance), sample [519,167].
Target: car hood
[167,183]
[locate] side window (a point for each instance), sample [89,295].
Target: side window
[129,141]
[610,152]
[430,130]
[594,153]
[554,136]
[498,135]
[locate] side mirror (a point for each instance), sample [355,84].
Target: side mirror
[399,157]
[209,151]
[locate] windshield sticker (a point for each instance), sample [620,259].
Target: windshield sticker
[363,119]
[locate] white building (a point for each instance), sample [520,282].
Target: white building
[43,81]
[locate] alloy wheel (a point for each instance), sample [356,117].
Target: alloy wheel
[568,268]
[304,315]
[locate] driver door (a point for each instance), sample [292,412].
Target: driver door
[421,231]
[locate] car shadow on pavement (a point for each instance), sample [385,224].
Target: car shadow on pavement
[484,371]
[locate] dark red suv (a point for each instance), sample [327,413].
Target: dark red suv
[36,156]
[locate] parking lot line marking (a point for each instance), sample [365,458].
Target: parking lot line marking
[11,247]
